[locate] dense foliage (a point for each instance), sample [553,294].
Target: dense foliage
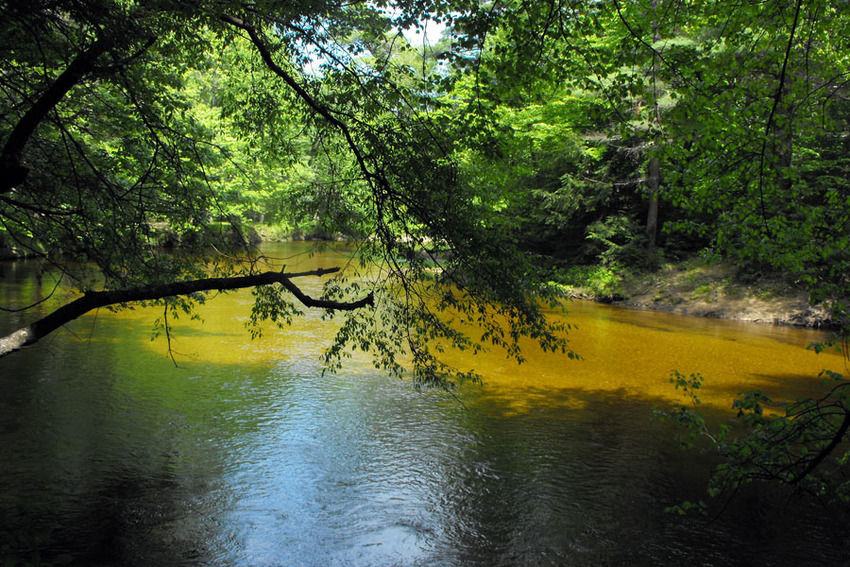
[533,137]
[127,125]
[625,132]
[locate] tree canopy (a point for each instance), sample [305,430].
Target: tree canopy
[124,119]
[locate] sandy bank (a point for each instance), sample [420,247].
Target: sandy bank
[713,291]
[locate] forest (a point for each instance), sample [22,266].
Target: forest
[479,153]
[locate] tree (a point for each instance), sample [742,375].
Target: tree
[745,108]
[761,112]
[597,60]
[100,143]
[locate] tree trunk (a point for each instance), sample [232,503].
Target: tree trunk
[654,173]
[653,183]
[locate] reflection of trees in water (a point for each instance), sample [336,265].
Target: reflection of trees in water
[547,485]
[119,522]
[92,474]
[130,518]
[558,485]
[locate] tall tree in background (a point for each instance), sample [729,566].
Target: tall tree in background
[758,127]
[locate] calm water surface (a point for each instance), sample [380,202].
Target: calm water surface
[244,454]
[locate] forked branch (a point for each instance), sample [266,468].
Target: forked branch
[96,299]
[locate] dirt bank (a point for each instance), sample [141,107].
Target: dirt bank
[705,290]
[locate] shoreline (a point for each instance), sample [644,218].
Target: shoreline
[712,291]
[786,313]
[695,289]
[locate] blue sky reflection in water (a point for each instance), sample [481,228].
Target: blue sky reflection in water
[247,455]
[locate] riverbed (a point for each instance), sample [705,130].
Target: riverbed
[243,452]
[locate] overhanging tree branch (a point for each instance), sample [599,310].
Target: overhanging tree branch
[315,105]
[12,172]
[374,175]
[96,299]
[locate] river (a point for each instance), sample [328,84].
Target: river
[244,453]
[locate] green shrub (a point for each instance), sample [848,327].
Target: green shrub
[598,281]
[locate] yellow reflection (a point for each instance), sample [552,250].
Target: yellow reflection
[624,353]
[627,353]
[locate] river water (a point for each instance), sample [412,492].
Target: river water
[245,454]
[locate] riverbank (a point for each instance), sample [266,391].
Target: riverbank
[710,290]
[692,288]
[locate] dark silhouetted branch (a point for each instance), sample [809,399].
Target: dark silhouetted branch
[96,299]
[13,172]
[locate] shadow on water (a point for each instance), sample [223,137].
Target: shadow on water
[623,470]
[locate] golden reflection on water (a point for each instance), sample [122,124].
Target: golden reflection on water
[631,353]
[624,353]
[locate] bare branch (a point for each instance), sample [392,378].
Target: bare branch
[96,299]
